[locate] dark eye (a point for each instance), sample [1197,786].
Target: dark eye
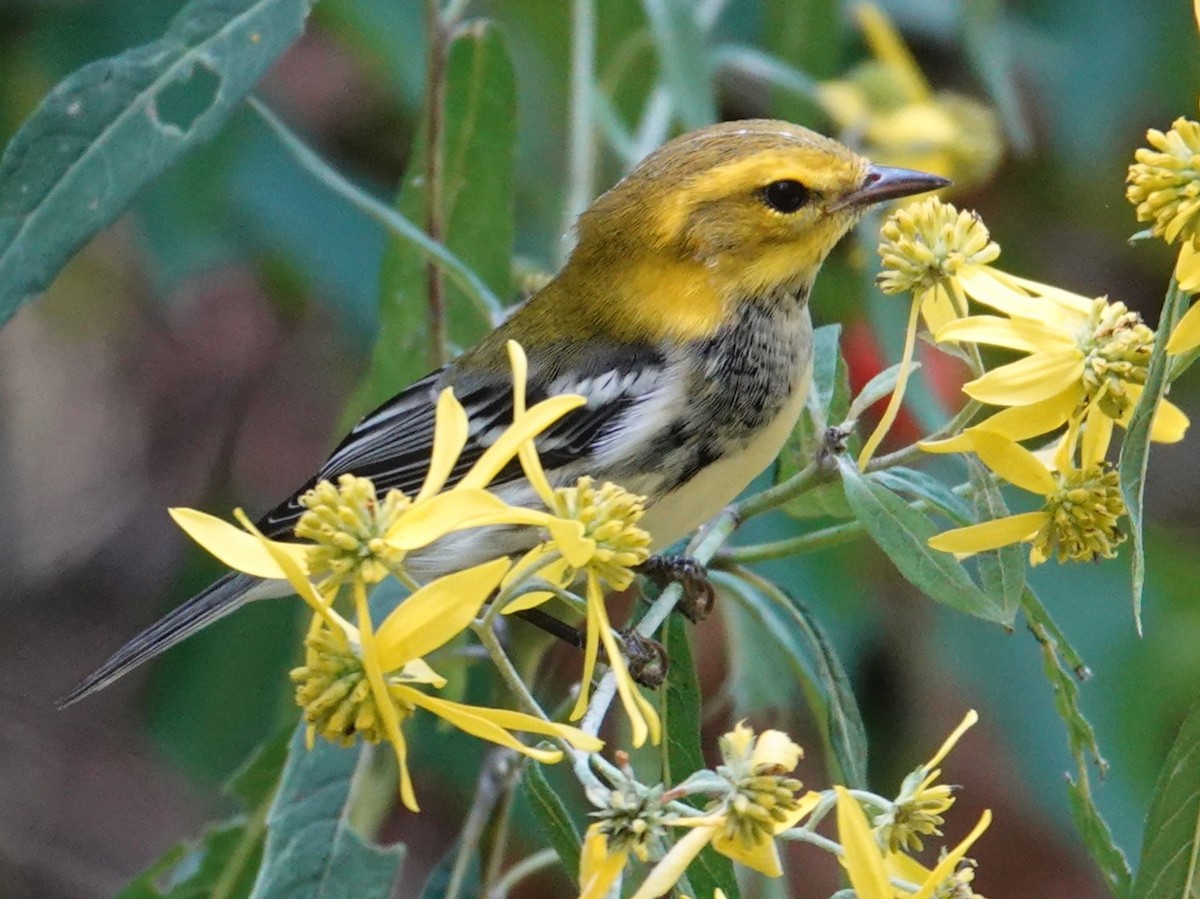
[785,196]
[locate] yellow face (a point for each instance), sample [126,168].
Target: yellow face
[756,202]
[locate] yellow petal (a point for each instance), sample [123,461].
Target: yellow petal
[969,721]
[476,721]
[1187,267]
[418,671]
[1013,462]
[1186,336]
[937,309]
[532,423]
[450,432]
[1013,333]
[1073,304]
[862,858]
[775,749]
[1024,422]
[436,613]
[1029,380]
[670,868]
[989,535]
[1170,422]
[598,868]
[762,856]
[235,547]
[982,284]
[569,539]
[946,866]
[892,410]
[457,510]
[1097,434]
[643,718]
[295,572]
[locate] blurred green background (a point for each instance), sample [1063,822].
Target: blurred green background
[200,352]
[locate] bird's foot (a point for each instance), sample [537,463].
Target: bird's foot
[646,658]
[698,594]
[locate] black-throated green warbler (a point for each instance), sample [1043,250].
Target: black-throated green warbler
[681,316]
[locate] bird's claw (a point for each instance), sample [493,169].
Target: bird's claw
[698,594]
[646,658]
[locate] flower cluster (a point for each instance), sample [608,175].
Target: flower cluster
[756,802]
[1082,365]
[362,680]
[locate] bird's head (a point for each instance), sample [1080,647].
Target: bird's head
[739,210]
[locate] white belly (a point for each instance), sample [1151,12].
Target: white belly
[713,488]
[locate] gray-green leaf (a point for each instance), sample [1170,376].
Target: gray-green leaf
[312,851]
[113,126]
[903,533]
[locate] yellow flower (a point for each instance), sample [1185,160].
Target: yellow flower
[928,248]
[606,547]
[632,820]
[900,120]
[873,873]
[1082,505]
[742,825]
[389,660]
[919,808]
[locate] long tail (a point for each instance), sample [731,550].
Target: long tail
[216,601]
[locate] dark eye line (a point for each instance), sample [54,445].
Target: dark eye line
[786,195]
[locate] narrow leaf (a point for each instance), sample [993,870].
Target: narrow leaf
[113,126]
[681,750]
[1062,667]
[1135,448]
[1170,863]
[877,388]
[816,666]
[920,485]
[552,817]
[312,851]
[902,533]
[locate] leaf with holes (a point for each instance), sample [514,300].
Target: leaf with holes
[113,126]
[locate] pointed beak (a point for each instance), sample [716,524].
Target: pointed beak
[885,182]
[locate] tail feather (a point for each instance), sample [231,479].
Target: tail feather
[216,601]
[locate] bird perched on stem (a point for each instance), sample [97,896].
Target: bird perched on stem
[682,318]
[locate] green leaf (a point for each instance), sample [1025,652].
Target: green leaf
[1001,571]
[684,55]
[1135,448]
[815,664]
[311,850]
[1062,666]
[478,133]
[920,485]
[553,818]
[902,533]
[1170,862]
[223,862]
[681,750]
[111,127]
[828,402]
[877,388]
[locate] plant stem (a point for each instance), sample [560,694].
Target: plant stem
[487,792]
[792,546]
[435,80]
